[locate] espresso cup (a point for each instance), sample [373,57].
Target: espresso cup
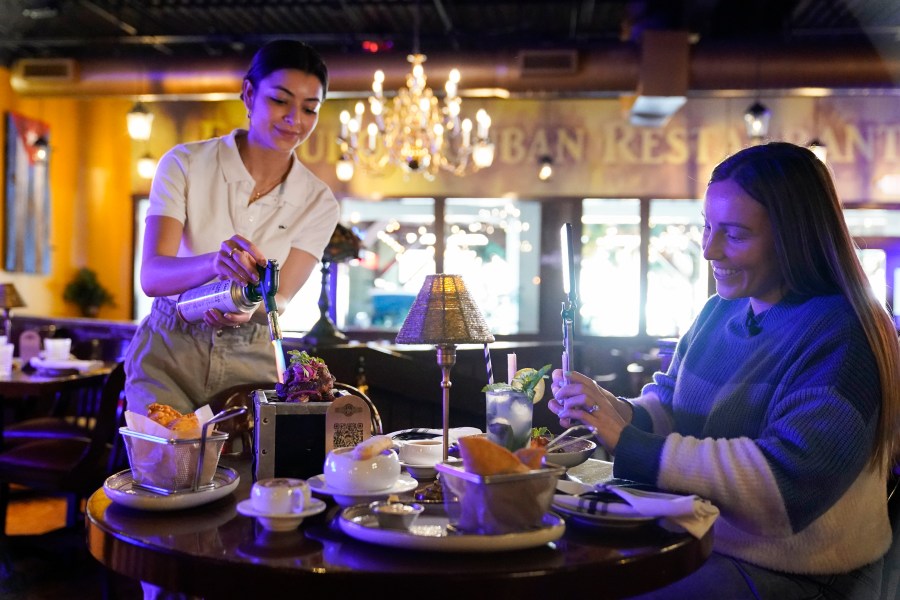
[280,495]
[57,348]
[422,452]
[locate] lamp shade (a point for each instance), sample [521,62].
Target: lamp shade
[9,296]
[444,313]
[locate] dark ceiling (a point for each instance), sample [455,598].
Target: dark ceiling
[154,29]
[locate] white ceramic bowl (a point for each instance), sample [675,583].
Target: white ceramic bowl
[422,453]
[395,515]
[345,473]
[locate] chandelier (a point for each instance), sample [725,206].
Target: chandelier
[414,130]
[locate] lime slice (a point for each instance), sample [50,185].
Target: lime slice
[523,380]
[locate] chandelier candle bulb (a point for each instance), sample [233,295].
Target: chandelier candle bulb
[467,132]
[345,119]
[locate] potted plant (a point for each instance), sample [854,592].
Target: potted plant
[87,293]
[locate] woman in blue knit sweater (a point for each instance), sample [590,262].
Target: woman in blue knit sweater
[781,402]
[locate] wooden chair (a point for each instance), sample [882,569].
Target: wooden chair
[72,417]
[70,466]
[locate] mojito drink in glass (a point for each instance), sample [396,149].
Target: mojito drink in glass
[509,415]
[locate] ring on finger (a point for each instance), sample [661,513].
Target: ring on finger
[594,408]
[233,250]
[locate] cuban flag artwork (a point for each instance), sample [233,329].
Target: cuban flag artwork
[27,195]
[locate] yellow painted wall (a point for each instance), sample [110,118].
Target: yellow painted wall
[90,199]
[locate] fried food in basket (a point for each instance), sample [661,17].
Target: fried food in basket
[483,457]
[162,413]
[171,418]
[188,422]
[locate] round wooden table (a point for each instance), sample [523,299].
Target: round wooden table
[215,552]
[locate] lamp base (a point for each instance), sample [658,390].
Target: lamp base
[324,333]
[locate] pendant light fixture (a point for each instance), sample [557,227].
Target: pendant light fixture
[140,122]
[146,166]
[756,118]
[757,115]
[817,146]
[545,168]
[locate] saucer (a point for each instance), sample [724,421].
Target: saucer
[420,471]
[317,484]
[280,521]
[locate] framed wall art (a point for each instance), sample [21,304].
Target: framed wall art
[27,184]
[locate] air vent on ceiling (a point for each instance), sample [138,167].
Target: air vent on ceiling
[545,63]
[47,69]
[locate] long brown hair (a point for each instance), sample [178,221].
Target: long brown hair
[817,256]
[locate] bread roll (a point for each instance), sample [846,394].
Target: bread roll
[532,458]
[372,447]
[483,457]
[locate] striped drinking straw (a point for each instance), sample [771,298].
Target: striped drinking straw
[487,364]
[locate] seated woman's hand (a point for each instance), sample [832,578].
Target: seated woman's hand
[578,399]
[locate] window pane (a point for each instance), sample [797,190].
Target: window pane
[866,222]
[610,274]
[495,244]
[874,264]
[873,223]
[376,291]
[678,276]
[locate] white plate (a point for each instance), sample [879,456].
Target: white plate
[317,484]
[119,488]
[430,533]
[280,521]
[602,520]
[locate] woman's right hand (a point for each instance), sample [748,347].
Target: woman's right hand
[237,260]
[577,398]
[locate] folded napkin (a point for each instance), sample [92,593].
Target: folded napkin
[690,513]
[79,365]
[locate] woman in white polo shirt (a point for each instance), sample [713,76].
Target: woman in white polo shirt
[217,209]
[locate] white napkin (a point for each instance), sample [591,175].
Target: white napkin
[72,363]
[690,513]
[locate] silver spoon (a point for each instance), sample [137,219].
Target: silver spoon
[555,442]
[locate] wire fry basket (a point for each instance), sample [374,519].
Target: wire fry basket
[170,466]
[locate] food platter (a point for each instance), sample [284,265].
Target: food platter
[431,532]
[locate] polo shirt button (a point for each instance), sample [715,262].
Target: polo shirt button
[219,333]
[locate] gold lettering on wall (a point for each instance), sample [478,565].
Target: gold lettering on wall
[570,144]
[512,145]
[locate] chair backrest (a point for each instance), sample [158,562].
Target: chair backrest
[108,410]
[344,388]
